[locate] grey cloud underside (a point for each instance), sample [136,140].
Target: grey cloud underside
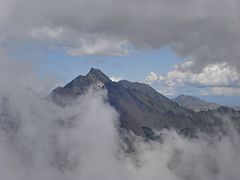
[206,31]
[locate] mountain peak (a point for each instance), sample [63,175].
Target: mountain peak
[184,97]
[98,75]
[194,103]
[95,71]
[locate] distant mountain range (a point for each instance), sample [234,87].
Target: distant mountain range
[143,110]
[195,103]
[237,108]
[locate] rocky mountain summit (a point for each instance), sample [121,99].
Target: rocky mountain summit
[194,103]
[143,110]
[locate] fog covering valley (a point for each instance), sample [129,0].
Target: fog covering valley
[41,140]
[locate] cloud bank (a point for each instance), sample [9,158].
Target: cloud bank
[214,79]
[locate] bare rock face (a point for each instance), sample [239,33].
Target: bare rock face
[143,110]
[79,86]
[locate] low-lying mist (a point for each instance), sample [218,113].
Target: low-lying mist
[42,141]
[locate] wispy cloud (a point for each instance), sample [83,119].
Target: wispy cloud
[116,79]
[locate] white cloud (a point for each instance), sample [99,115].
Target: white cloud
[153,78]
[47,33]
[212,75]
[100,47]
[168,91]
[79,44]
[223,78]
[116,79]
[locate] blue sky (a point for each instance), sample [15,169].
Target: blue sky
[135,66]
